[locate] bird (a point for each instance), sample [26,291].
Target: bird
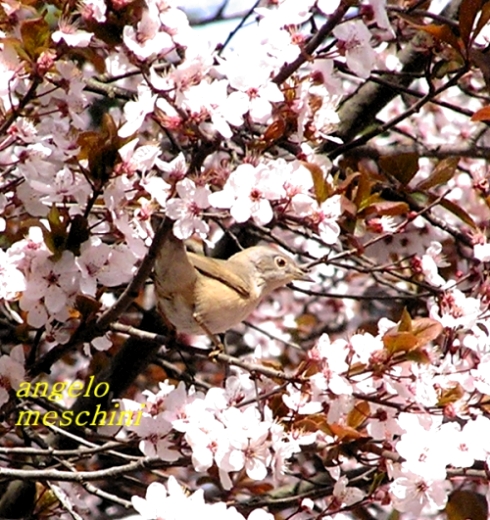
[200,295]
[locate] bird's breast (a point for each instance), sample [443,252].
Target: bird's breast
[219,306]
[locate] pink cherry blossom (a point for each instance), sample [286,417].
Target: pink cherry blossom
[211,100]
[325,218]
[347,495]
[455,310]
[254,92]
[71,35]
[417,494]
[136,111]
[12,281]
[287,12]
[354,39]
[153,432]
[50,287]
[328,6]
[170,501]
[174,170]
[147,39]
[380,15]
[94,9]
[248,192]
[431,261]
[205,437]
[12,372]
[66,185]
[141,158]
[188,208]
[482,252]
[248,450]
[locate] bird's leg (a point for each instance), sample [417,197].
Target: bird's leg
[218,344]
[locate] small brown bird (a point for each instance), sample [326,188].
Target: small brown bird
[202,295]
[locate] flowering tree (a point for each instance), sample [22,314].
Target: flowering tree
[351,133]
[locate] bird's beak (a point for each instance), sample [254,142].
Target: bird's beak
[302,275]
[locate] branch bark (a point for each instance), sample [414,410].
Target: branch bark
[359,111]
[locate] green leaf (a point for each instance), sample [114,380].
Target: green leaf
[55,237]
[402,166]
[467,14]
[442,173]
[358,415]
[369,202]
[363,195]
[321,186]
[464,504]
[411,334]
[395,341]
[458,211]
[78,234]
[426,330]
[405,324]
[387,207]
[101,148]
[443,33]
[481,115]
[274,131]
[451,395]
[36,36]
[483,20]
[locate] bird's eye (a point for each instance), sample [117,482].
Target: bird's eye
[281,262]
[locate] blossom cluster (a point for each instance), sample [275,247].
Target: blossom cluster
[216,428]
[172,501]
[228,429]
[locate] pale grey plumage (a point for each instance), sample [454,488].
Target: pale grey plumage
[201,295]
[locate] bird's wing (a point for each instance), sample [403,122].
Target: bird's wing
[174,272]
[218,270]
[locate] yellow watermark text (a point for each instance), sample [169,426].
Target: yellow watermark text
[65,418]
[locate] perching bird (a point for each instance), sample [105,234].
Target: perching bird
[201,295]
